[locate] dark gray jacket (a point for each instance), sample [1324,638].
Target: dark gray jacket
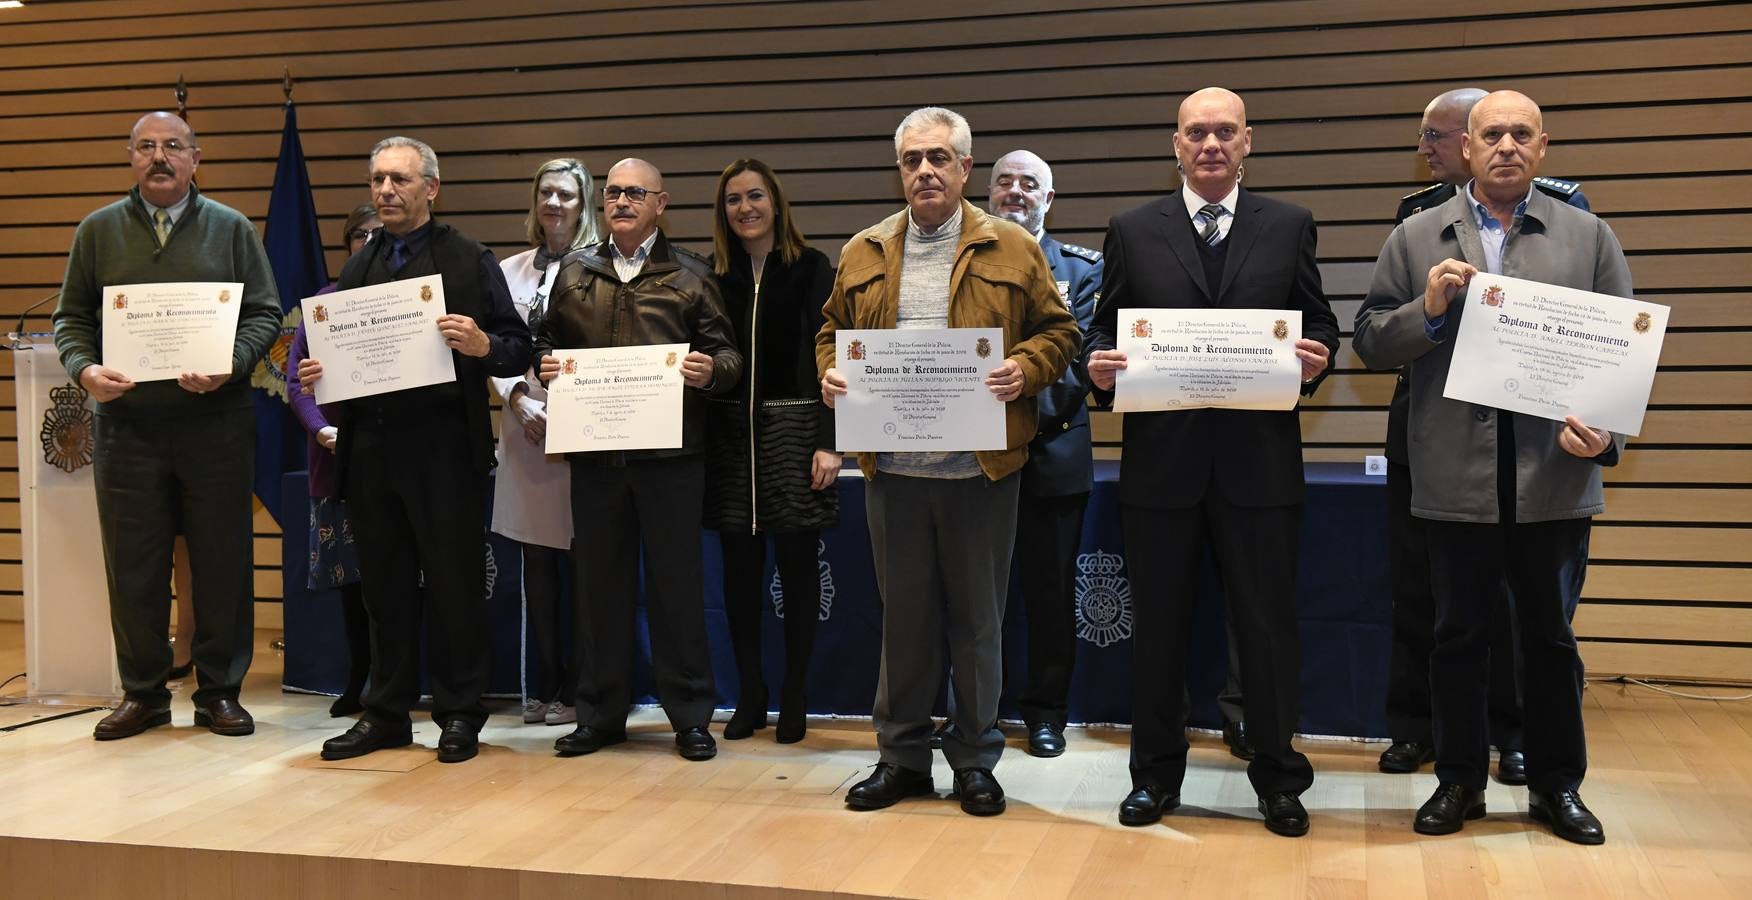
[1453,445]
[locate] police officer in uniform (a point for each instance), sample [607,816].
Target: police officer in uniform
[1060,471]
[1440,137]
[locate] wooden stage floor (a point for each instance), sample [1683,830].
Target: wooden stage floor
[179,812]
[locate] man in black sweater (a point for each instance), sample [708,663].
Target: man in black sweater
[412,466]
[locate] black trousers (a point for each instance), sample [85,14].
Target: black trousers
[419,510]
[152,475]
[796,558]
[1049,531]
[1543,564]
[1414,632]
[549,604]
[649,510]
[1255,552]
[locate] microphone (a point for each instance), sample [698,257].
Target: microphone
[32,308]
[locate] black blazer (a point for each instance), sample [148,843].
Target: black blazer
[1151,259]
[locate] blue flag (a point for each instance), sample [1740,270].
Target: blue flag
[294,244]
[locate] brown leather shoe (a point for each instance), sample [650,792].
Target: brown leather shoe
[129,719]
[225,716]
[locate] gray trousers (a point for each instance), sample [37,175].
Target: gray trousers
[942,553]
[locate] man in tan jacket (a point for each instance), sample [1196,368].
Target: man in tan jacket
[942,523]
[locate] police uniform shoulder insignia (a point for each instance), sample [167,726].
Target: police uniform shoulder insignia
[1422,192]
[1556,186]
[1084,252]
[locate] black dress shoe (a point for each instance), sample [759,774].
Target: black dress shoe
[129,719]
[750,717]
[457,742]
[695,744]
[1511,767]
[1405,756]
[225,716]
[793,718]
[980,793]
[364,737]
[1447,809]
[1045,741]
[888,785]
[1146,805]
[1568,817]
[937,735]
[586,739]
[1235,736]
[1284,814]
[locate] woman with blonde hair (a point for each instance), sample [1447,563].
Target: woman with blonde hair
[532,496]
[771,468]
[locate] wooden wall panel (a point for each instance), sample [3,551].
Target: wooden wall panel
[1648,105]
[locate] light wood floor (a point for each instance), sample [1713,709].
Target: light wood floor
[180,812]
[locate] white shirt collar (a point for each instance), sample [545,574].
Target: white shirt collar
[1194,202]
[639,254]
[175,209]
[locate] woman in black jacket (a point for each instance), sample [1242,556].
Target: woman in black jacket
[772,466]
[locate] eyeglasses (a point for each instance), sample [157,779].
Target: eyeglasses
[1431,135]
[361,234]
[1008,181]
[612,193]
[172,147]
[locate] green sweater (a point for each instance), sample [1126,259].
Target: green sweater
[210,242]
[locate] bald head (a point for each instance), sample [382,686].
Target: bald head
[1210,141]
[632,199]
[1505,143]
[647,174]
[1442,134]
[162,151]
[1021,190]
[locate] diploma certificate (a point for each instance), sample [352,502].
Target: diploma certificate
[155,332]
[919,389]
[1552,351]
[377,339]
[616,398]
[1198,358]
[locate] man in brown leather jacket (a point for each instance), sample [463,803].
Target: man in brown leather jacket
[635,289]
[942,523]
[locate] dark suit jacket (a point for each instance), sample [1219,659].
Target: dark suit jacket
[1151,259]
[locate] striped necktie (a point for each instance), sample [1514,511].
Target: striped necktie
[161,222]
[1207,224]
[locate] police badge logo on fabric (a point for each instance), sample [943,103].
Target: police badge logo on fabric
[67,429]
[1104,604]
[777,590]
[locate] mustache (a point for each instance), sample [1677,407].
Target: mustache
[161,169]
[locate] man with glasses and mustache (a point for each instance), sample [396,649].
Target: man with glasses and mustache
[1441,138]
[631,290]
[177,454]
[942,523]
[412,467]
[1060,471]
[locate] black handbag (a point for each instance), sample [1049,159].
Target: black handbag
[783,452]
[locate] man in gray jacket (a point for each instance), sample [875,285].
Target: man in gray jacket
[1508,497]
